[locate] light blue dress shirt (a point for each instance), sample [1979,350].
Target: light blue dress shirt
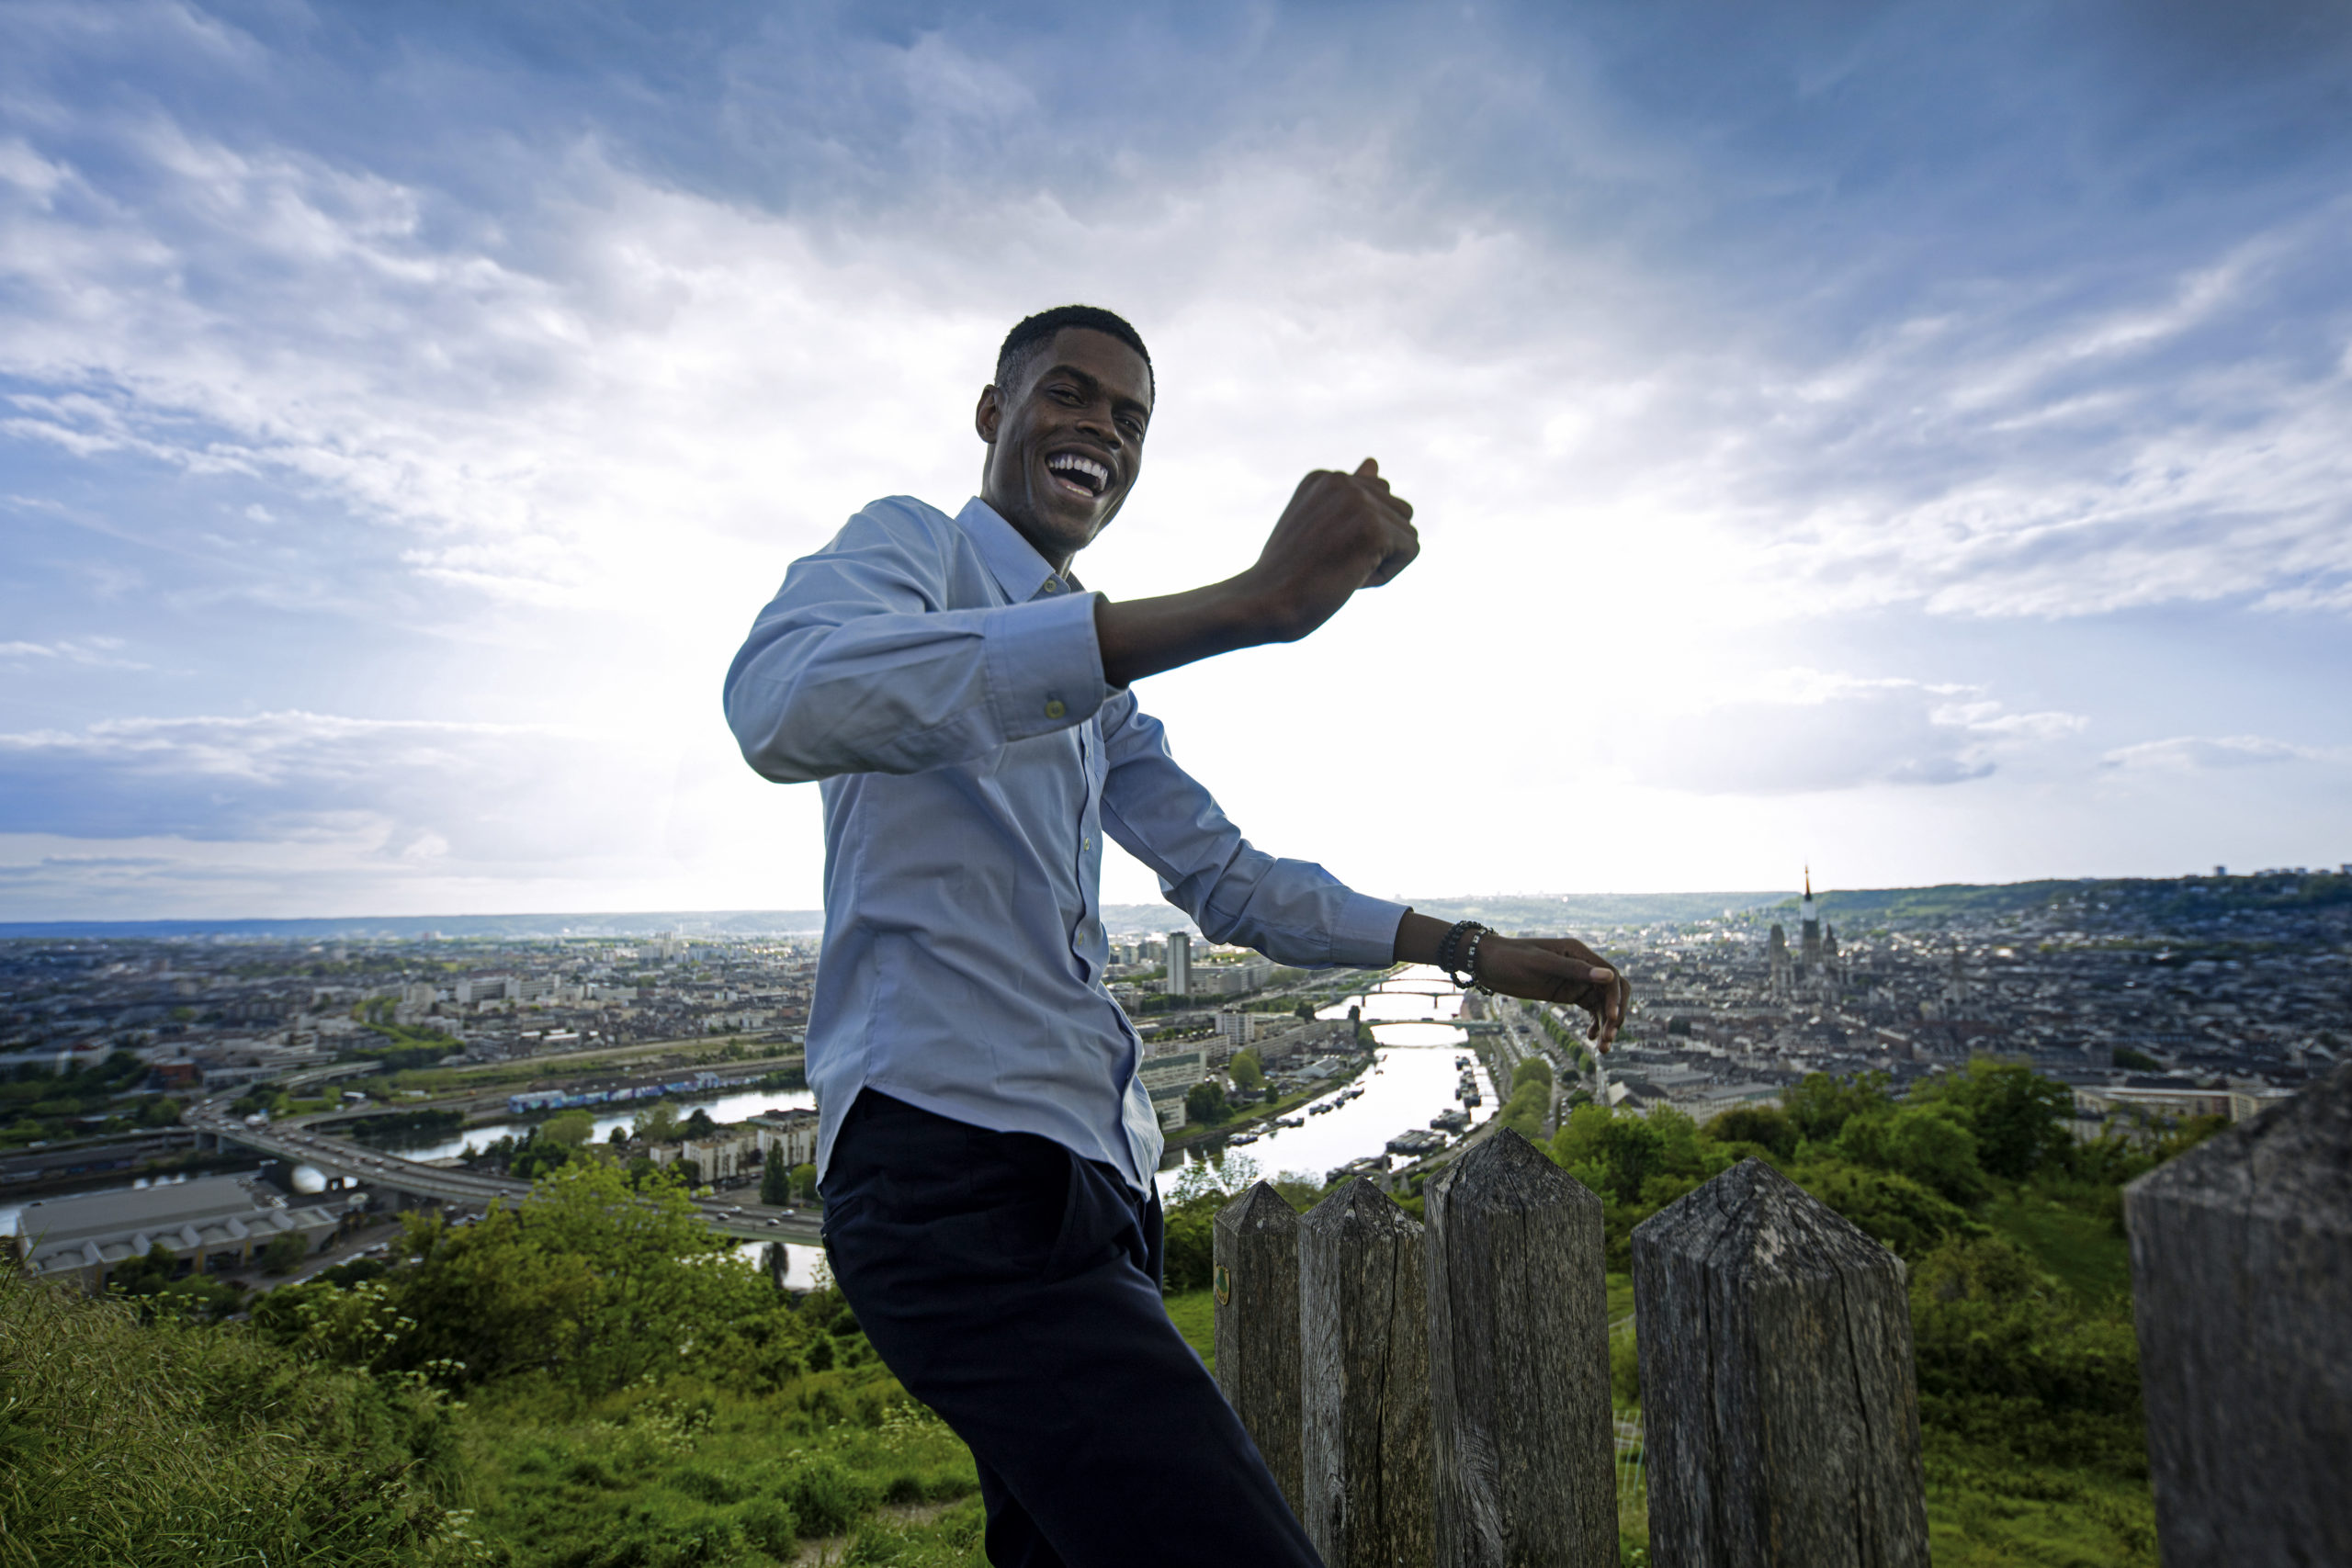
[946,688]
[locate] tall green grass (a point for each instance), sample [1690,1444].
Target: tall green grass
[125,1445]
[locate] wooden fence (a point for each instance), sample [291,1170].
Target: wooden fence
[1439,1395]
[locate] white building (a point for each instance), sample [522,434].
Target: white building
[786,1135]
[1180,964]
[211,1224]
[1169,1077]
[1240,1027]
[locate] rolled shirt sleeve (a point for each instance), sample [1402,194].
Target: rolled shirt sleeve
[1294,911]
[857,666]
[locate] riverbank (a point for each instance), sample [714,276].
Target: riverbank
[1196,1135]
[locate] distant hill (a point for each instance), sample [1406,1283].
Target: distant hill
[1564,913]
[1510,913]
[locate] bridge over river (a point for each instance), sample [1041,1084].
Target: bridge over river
[412,1180]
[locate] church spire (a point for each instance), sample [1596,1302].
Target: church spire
[1808,883]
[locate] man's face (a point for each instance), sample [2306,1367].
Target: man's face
[1065,443]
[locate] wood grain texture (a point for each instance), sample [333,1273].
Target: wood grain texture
[1256,1239]
[2242,1294]
[1781,1412]
[1519,1364]
[1363,1335]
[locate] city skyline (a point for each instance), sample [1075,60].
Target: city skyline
[1906,445]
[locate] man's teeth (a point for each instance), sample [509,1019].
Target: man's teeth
[1093,472]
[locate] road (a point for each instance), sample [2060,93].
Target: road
[296,1140]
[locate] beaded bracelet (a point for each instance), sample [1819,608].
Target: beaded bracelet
[1470,961]
[1453,940]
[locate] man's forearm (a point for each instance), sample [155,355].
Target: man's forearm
[1144,637]
[1418,937]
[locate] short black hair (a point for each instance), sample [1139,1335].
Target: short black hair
[1029,339]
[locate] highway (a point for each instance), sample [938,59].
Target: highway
[294,1141]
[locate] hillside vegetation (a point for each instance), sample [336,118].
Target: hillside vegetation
[594,1380]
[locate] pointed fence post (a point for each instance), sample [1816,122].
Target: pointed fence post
[1519,1364]
[1256,1287]
[1780,1407]
[1364,1333]
[2242,1293]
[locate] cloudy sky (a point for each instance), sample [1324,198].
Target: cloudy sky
[1911,440]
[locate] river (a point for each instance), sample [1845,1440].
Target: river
[1411,1079]
[730,1107]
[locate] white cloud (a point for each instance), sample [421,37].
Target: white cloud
[104,652]
[1801,730]
[2184,753]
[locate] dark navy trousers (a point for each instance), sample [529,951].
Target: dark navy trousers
[1014,1288]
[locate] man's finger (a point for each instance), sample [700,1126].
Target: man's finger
[1368,470]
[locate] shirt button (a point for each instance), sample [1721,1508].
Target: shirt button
[1054,708]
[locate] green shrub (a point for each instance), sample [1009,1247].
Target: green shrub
[827,1496]
[769,1524]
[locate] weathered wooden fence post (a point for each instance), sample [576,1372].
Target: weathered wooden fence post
[2242,1292]
[1780,1412]
[1256,1287]
[1519,1363]
[1364,1333]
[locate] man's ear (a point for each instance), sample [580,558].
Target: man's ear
[989,415]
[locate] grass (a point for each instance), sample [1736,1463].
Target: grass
[683,1471]
[2082,1250]
[124,1445]
[1194,1315]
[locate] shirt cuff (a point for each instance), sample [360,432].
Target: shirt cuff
[1044,665]
[1365,933]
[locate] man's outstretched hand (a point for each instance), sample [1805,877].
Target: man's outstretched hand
[1340,533]
[1548,969]
[1558,969]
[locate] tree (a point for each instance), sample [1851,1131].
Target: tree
[591,1281]
[1766,1126]
[775,1185]
[1927,1143]
[286,1249]
[1246,1071]
[657,1123]
[1820,1106]
[538,1156]
[618,1138]
[699,1125]
[1523,1112]
[804,1178]
[1204,1102]
[2018,1116]
[571,1128]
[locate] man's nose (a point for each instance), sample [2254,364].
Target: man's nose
[1102,427]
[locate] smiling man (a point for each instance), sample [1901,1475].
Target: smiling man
[986,1149]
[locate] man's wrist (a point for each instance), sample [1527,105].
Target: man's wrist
[1418,937]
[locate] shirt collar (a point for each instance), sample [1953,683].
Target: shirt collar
[1012,560]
